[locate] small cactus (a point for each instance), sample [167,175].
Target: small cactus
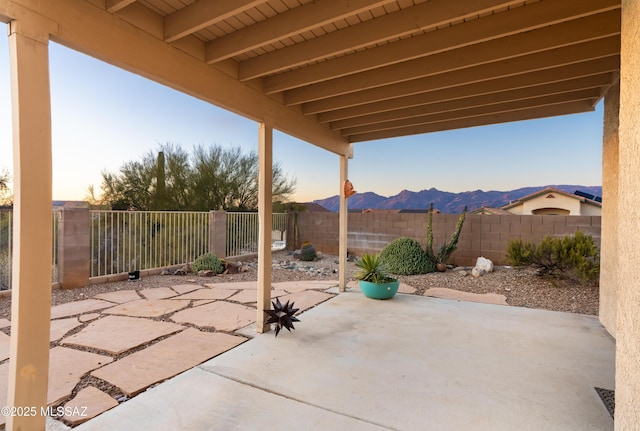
[307,252]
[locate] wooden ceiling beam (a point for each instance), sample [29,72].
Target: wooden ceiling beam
[202,14]
[114,6]
[404,22]
[483,120]
[547,38]
[475,111]
[507,95]
[499,65]
[474,32]
[297,20]
[603,51]
[596,69]
[83,27]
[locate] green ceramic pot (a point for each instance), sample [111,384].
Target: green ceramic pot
[379,290]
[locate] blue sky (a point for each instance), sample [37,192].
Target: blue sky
[103,116]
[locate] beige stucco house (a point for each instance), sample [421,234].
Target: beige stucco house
[552,201]
[334,73]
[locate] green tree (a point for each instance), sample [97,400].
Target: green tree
[4,180]
[209,178]
[178,178]
[5,192]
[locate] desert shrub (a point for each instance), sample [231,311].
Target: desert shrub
[5,270]
[405,256]
[572,256]
[520,253]
[208,261]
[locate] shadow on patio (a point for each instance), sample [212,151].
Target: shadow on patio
[411,363]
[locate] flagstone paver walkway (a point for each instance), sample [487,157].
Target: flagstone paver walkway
[486,298]
[148,307]
[67,366]
[119,297]
[88,403]
[158,293]
[4,346]
[117,334]
[207,293]
[134,339]
[185,288]
[200,302]
[88,317]
[239,285]
[78,307]
[247,296]
[60,327]
[223,316]
[299,286]
[165,359]
[4,377]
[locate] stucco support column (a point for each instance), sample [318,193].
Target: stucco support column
[344,217]
[609,229]
[31,295]
[265,179]
[628,294]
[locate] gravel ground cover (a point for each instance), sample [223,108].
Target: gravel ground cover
[522,287]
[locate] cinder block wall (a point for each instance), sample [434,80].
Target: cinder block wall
[482,235]
[218,233]
[73,244]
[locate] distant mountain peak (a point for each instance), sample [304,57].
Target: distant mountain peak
[445,202]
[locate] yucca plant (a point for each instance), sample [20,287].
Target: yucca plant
[371,269]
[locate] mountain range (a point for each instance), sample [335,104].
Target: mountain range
[445,202]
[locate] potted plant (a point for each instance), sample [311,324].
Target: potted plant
[373,278]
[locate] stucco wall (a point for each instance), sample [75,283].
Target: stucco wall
[628,300]
[609,242]
[558,201]
[482,235]
[589,209]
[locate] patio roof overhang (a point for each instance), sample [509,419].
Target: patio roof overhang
[336,72]
[333,73]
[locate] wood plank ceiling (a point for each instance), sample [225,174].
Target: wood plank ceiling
[375,69]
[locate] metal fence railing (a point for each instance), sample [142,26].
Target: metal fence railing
[6,248]
[124,241]
[243,231]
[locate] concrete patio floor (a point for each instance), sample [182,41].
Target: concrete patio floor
[410,363]
[131,339]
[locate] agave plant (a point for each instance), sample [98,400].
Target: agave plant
[371,269]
